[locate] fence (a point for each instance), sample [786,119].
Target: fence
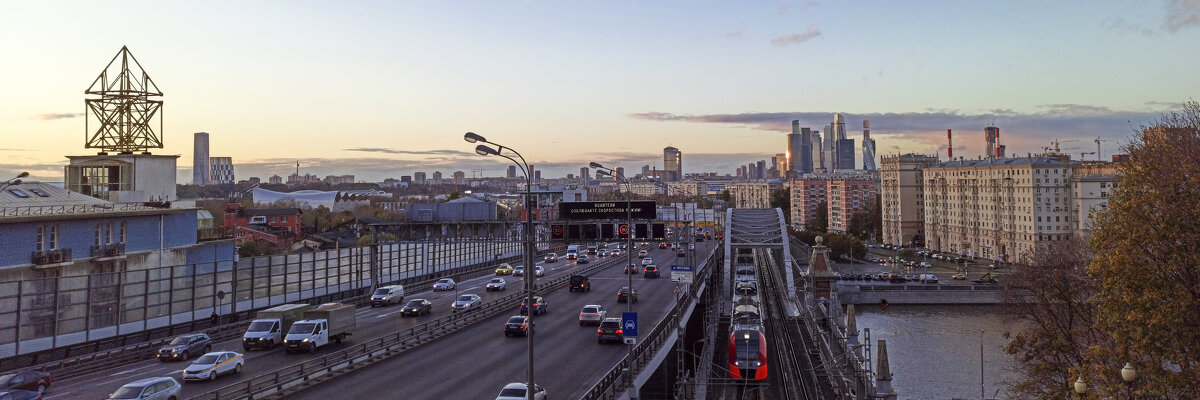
[53,314]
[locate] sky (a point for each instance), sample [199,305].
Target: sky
[385,89]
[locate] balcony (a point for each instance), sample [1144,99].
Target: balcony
[108,250]
[50,256]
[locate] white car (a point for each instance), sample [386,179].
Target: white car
[518,390]
[615,252]
[519,270]
[592,314]
[467,302]
[211,365]
[647,261]
[496,284]
[444,284]
[643,254]
[539,271]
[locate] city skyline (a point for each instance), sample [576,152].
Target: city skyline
[383,90]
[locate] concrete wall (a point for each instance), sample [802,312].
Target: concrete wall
[919,293]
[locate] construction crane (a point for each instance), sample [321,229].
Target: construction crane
[1098,140]
[1084,154]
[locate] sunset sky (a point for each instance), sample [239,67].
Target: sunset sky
[384,89]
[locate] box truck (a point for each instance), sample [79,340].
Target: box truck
[269,326]
[330,322]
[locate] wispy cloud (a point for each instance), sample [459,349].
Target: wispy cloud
[734,35]
[1121,26]
[797,38]
[412,152]
[1182,14]
[50,117]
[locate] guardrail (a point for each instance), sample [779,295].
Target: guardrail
[105,354]
[284,381]
[920,288]
[615,380]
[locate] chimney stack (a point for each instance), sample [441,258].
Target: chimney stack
[949,146]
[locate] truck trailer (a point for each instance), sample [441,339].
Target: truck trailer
[270,325]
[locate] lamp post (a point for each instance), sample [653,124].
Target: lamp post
[1080,387]
[14,181]
[1129,375]
[484,150]
[601,170]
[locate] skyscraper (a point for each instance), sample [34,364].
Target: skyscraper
[827,148]
[200,169]
[817,155]
[673,163]
[796,153]
[761,167]
[868,147]
[845,156]
[512,171]
[781,165]
[621,171]
[839,134]
[992,137]
[220,170]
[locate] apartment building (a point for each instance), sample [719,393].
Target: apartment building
[903,199]
[806,193]
[750,194]
[1091,183]
[849,195]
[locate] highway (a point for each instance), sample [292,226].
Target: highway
[476,362]
[371,322]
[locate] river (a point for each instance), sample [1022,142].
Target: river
[934,351]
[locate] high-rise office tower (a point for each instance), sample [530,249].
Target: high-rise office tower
[818,153]
[868,147]
[220,170]
[583,174]
[200,168]
[839,134]
[761,166]
[827,149]
[992,137]
[512,171]
[621,172]
[673,163]
[781,165]
[796,153]
[845,156]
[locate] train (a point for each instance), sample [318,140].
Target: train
[747,344]
[748,355]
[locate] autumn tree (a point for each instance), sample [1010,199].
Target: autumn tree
[1147,262]
[782,199]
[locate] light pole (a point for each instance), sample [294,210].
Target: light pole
[1129,375]
[14,181]
[484,150]
[601,170]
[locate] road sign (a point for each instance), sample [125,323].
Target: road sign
[613,210]
[629,324]
[682,273]
[630,340]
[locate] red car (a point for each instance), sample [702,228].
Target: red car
[34,381]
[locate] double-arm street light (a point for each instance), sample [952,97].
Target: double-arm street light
[601,171]
[14,181]
[485,150]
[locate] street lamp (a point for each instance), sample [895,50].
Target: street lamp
[485,150]
[601,171]
[1129,375]
[1080,387]
[14,181]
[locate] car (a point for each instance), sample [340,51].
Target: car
[929,278]
[898,279]
[614,253]
[539,306]
[991,266]
[583,259]
[643,254]
[625,294]
[520,391]
[497,284]
[518,325]
[551,258]
[539,271]
[444,284]
[580,283]
[34,381]
[631,269]
[692,246]
[601,253]
[19,395]
[651,271]
[520,270]
[925,265]
[592,314]
[959,276]
[467,302]
[185,347]
[505,269]
[416,307]
[720,236]
[664,245]
[609,330]
[387,295]
[681,253]
[157,388]
[647,261]
[211,365]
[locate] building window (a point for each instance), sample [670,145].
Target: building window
[97,234]
[124,230]
[41,235]
[108,233]
[283,219]
[53,237]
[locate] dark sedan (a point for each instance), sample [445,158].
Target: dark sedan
[518,325]
[185,347]
[36,381]
[416,307]
[625,294]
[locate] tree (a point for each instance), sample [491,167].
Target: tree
[782,199]
[907,254]
[1050,295]
[1147,261]
[821,222]
[725,196]
[453,195]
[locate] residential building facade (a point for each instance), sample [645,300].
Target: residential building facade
[750,194]
[849,195]
[901,188]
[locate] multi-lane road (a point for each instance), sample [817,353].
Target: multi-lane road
[472,363]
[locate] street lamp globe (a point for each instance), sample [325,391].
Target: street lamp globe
[595,165]
[1128,373]
[484,150]
[472,137]
[1080,386]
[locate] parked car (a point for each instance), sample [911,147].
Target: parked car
[518,325]
[159,388]
[185,347]
[539,306]
[416,307]
[505,269]
[19,395]
[497,284]
[651,271]
[552,258]
[520,391]
[609,330]
[444,284]
[34,381]
[592,314]
[625,294]
[467,302]
[212,365]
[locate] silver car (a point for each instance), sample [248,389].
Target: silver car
[160,388]
[539,271]
[444,284]
[496,284]
[592,314]
[467,302]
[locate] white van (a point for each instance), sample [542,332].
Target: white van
[572,252]
[387,295]
[928,278]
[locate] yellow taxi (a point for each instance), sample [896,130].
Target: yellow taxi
[504,269]
[959,276]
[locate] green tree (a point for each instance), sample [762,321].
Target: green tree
[453,195]
[821,222]
[253,248]
[1147,259]
[907,254]
[725,196]
[782,199]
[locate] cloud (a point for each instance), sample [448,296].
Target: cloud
[783,8]
[412,152]
[50,117]
[1182,14]
[797,38]
[1119,26]
[808,5]
[14,150]
[734,35]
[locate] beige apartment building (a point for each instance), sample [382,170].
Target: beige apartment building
[750,194]
[1091,183]
[901,180]
[999,209]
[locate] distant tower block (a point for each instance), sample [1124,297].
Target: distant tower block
[125,111]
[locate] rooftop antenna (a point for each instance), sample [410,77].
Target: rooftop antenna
[125,110]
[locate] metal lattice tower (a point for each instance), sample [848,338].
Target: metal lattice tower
[125,110]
